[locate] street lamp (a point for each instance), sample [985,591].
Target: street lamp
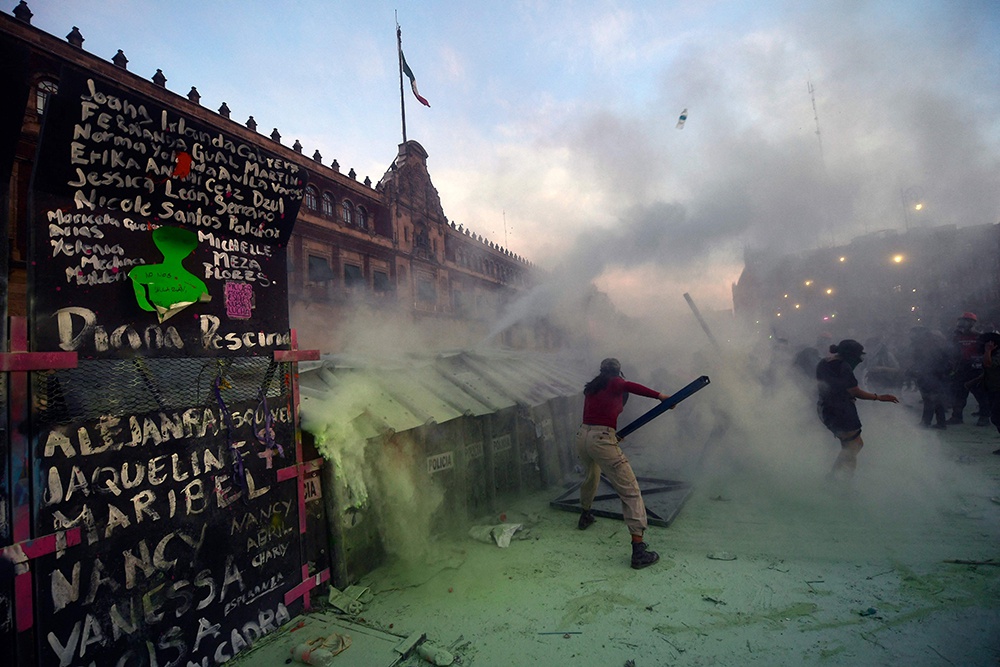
[910,197]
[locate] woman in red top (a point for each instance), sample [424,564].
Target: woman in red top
[597,446]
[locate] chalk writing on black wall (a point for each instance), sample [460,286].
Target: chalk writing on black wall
[184,558]
[113,167]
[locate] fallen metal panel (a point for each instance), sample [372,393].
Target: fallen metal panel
[663,499]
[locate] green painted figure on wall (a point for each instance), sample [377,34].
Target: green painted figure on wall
[167,288]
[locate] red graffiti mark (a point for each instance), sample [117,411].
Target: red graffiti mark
[183,166]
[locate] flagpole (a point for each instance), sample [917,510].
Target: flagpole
[402,97]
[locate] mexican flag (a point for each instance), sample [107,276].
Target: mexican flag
[413,80]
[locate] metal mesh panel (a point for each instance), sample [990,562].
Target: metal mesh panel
[132,386]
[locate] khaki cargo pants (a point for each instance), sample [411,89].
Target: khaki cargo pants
[597,447]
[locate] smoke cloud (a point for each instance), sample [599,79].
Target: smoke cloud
[806,127]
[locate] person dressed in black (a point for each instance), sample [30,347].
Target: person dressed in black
[838,391]
[989,381]
[991,374]
[930,367]
[968,366]
[806,358]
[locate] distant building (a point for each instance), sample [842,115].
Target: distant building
[880,283]
[390,249]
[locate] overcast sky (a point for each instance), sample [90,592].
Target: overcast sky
[552,125]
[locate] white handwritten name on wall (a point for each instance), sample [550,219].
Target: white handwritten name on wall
[140,169]
[160,166]
[188,540]
[103,496]
[180,560]
[112,169]
[79,329]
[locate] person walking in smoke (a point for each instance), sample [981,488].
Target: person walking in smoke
[597,447]
[882,372]
[838,390]
[990,379]
[968,366]
[807,358]
[929,368]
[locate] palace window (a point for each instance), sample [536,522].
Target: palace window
[43,92]
[426,292]
[327,205]
[310,201]
[319,269]
[362,218]
[421,238]
[380,280]
[353,276]
[347,210]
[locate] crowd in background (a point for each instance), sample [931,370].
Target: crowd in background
[946,369]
